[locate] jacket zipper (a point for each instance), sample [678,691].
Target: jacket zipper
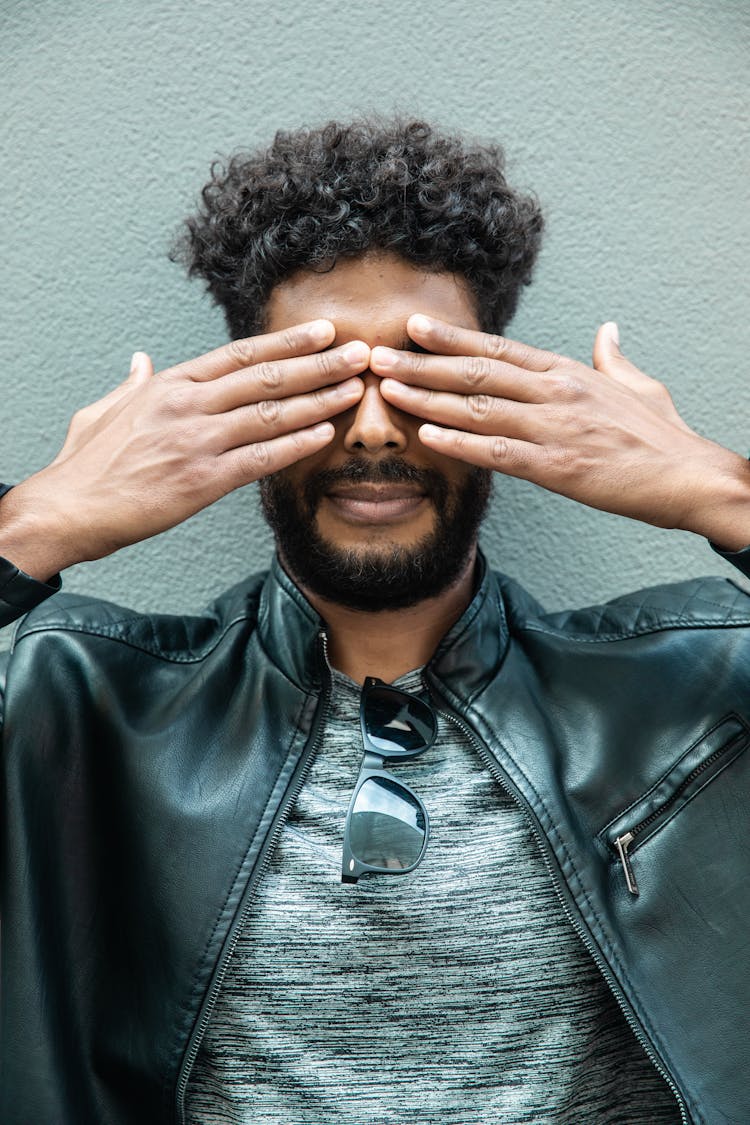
[508,787]
[303,768]
[624,841]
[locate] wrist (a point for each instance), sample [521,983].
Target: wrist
[720,507]
[34,536]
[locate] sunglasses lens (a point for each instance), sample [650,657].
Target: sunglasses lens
[387,827]
[396,721]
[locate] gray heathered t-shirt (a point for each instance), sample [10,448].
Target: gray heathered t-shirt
[457,994]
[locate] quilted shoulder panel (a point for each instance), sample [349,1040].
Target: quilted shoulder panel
[170,636]
[697,603]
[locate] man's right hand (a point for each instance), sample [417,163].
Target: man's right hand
[160,447]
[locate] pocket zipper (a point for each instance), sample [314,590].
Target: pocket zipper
[623,842]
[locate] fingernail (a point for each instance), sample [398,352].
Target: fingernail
[614,332]
[420,322]
[385,357]
[400,388]
[356,352]
[349,385]
[320,330]
[135,361]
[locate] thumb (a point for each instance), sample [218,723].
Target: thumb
[141,368]
[610,361]
[607,348]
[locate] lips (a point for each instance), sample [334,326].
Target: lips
[375,503]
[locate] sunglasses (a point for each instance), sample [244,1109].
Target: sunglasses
[387,827]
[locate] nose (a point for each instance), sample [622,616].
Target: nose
[375,424]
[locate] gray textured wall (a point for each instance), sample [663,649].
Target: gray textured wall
[628,119]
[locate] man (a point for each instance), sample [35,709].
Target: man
[222,900]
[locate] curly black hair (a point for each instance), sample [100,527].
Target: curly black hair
[317,195]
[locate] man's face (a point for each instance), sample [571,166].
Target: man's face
[376,520]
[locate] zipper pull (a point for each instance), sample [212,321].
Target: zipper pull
[323,638]
[622,843]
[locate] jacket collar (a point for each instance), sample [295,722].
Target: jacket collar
[471,652]
[291,632]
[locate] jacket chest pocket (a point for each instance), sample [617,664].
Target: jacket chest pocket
[698,767]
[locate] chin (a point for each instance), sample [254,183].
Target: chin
[380,544]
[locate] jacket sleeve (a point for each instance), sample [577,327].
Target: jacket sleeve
[740,559]
[18,594]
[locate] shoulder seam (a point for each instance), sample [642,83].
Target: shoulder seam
[661,627]
[112,635]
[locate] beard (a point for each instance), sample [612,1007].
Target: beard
[372,579]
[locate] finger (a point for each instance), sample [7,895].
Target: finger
[272,417]
[251,462]
[141,369]
[610,361]
[448,339]
[301,339]
[510,456]
[465,374]
[475,413]
[282,378]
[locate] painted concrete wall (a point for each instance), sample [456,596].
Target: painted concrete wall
[629,120]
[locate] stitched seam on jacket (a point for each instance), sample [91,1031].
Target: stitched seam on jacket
[661,627]
[112,635]
[168,1088]
[660,780]
[272,660]
[641,841]
[491,673]
[603,941]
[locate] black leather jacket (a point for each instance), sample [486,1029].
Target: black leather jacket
[149,762]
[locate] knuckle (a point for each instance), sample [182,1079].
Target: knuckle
[196,472]
[269,411]
[567,385]
[177,399]
[479,406]
[298,441]
[564,461]
[269,376]
[290,339]
[243,351]
[259,457]
[324,363]
[186,439]
[476,370]
[451,335]
[499,450]
[494,346]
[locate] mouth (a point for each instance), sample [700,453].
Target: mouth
[375,503]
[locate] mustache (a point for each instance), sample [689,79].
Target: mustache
[388,471]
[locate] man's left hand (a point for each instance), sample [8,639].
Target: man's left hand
[608,436]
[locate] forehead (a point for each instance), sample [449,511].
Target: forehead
[370,298]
